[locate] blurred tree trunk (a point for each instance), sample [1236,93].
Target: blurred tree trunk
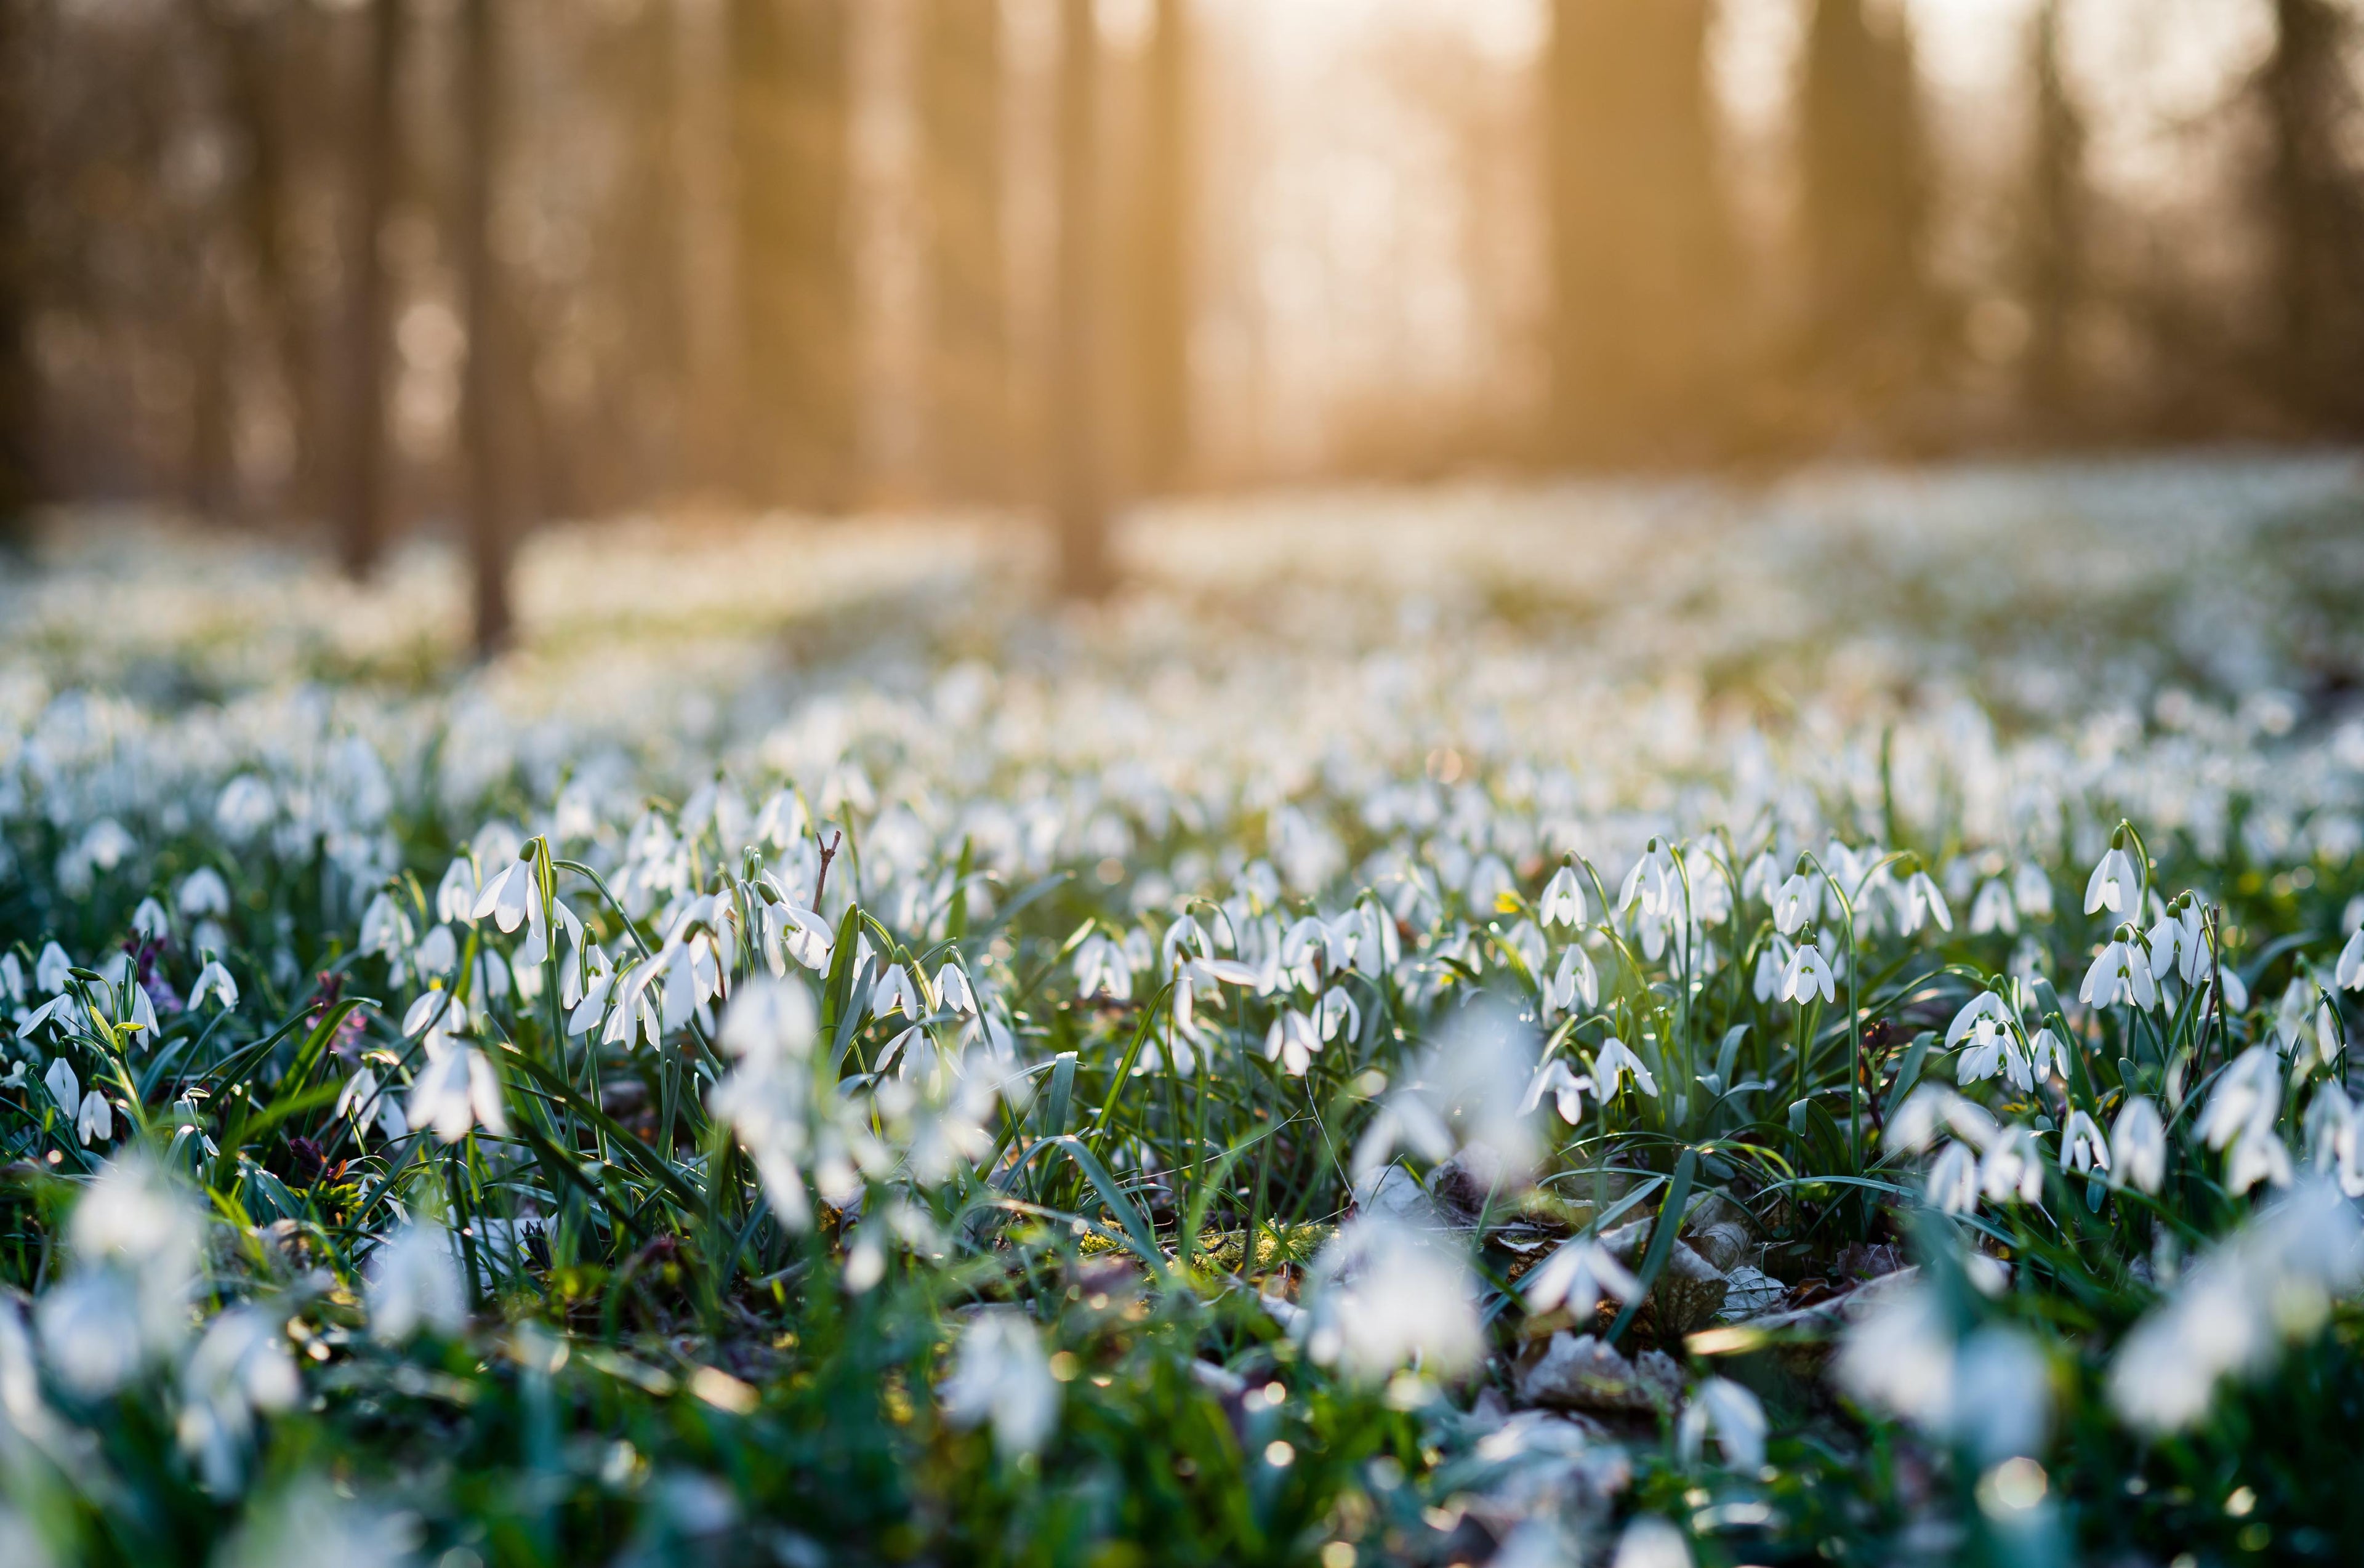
[362,500]
[1078,498]
[19,400]
[1865,207]
[487,418]
[2057,200]
[960,95]
[791,79]
[2312,201]
[254,53]
[212,477]
[1641,249]
[1163,348]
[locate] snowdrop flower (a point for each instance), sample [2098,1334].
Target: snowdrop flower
[1566,1088]
[2334,1139]
[1772,964]
[1985,1022]
[64,1087]
[896,993]
[1195,975]
[455,895]
[203,893]
[2247,1095]
[2273,1279]
[95,1119]
[1386,1296]
[1563,901]
[2120,971]
[1809,975]
[1103,969]
[214,980]
[1292,1041]
[1613,1064]
[456,1090]
[1930,1106]
[2138,1146]
[438,952]
[2083,1147]
[2012,1170]
[1991,1392]
[767,1097]
[2031,891]
[240,1369]
[1467,1091]
[137,1242]
[1002,1376]
[2114,884]
[1918,899]
[1650,1541]
[1733,1414]
[1573,981]
[1798,901]
[149,921]
[1991,910]
[1651,885]
[959,996]
[363,1098]
[2046,1057]
[1953,1185]
[415,1283]
[800,934]
[2348,974]
[2328,1036]
[52,969]
[2179,943]
[1577,1277]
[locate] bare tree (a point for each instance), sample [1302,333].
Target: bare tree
[1079,482]
[960,106]
[364,503]
[791,102]
[1641,238]
[1162,305]
[494,512]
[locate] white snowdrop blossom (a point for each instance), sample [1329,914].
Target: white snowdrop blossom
[1563,900]
[2271,1281]
[135,1242]
[1991,910]
[1724,1409]
[1002,1376]
[1386,1296]
[240,1369]
[1564,1085]
[2113,885]
[1576,1276]
[1613,1064]
[2083,1147]
[214,982]
[1809,976]
[2121,972]
[456,1090]
[415,1284]
[2138,1146]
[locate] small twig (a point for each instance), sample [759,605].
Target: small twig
[828,853]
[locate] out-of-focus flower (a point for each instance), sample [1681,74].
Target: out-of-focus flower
[2273,1279]
[1613,1064]
[1002,1376]
[1989,1392]
[1387,1296]
[203,893]
[1651,884]
[1566,1087]
[363,1098]
[2082,1148]
[2138,1146]
[456,1090]
[1292,1041]
[1921,899]
[137,1242]
[1991,910]
[1577,1277]
[1732,1414]
[240,1369]
[1465,1091]
[2349,972]
[309,1525]
[2012,1170]
[1650,1541]
[413,1283]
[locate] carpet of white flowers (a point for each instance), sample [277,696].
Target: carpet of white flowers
[1655,1024]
